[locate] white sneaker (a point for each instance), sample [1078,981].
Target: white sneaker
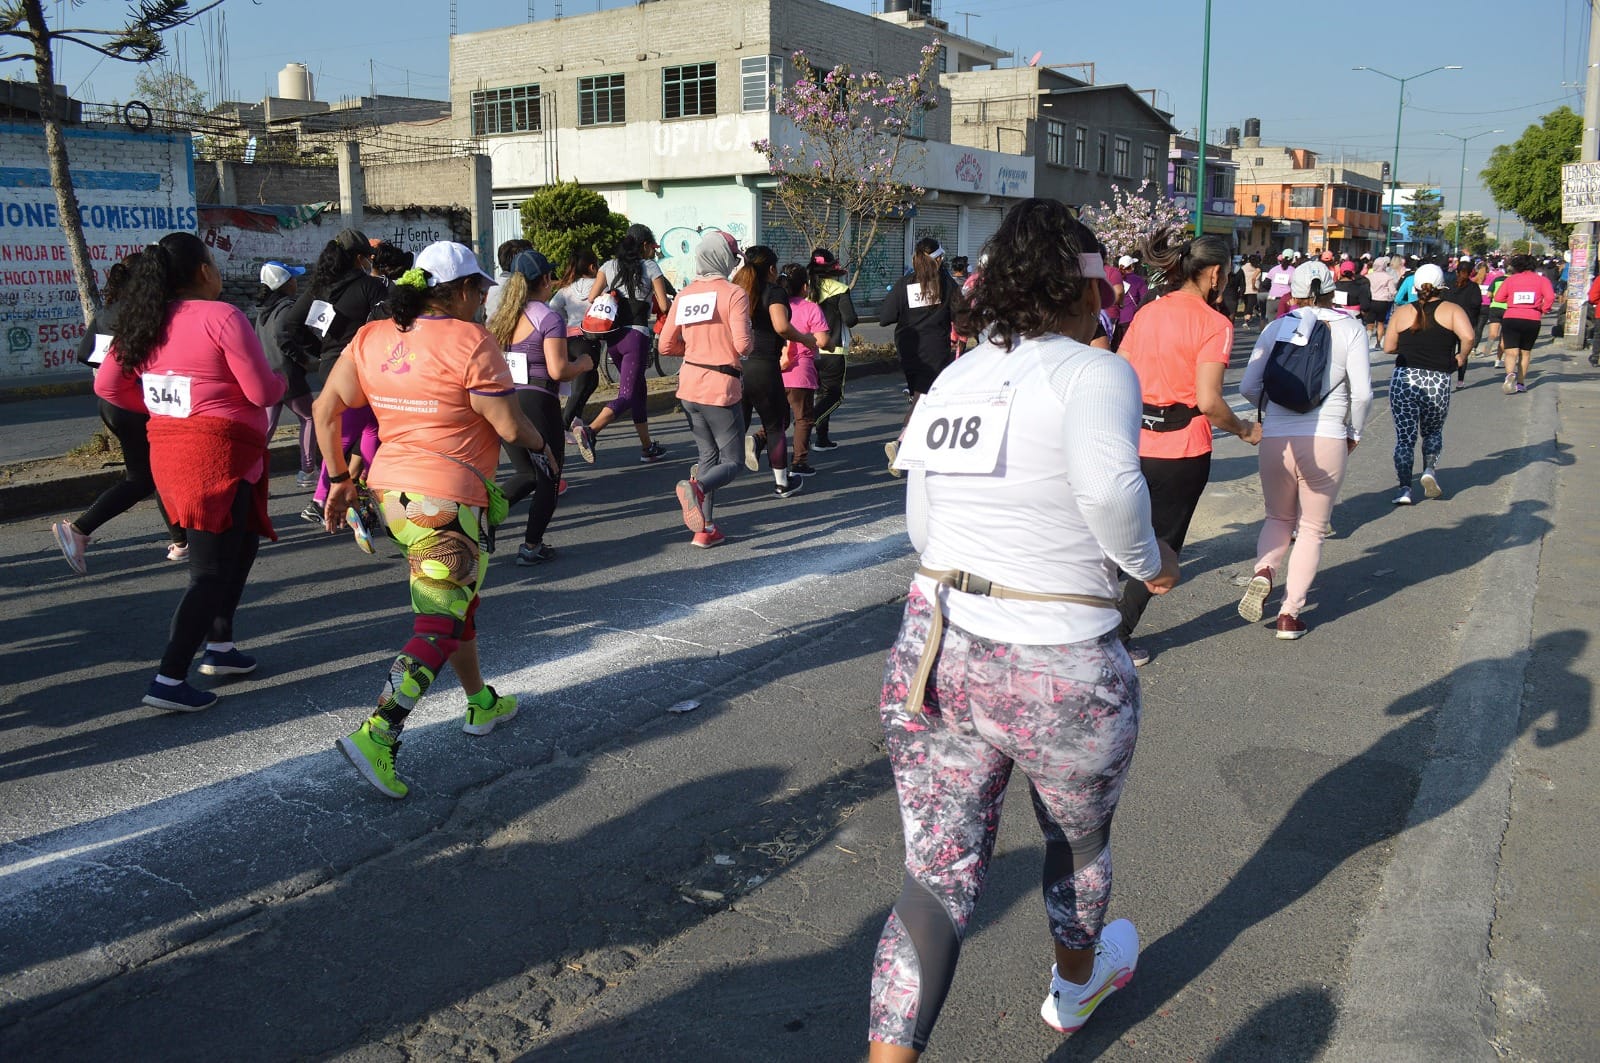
[752,456]
[73,543]
[1116,955]
[177,551]
[1430,484]
[891,450]
[1509,384]
[1403,498]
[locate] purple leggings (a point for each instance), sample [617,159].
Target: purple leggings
[629,354]
[300,406]
[1068,716]
[357,428]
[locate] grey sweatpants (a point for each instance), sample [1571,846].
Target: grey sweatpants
[719,436]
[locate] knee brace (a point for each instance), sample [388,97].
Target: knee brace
[408,680]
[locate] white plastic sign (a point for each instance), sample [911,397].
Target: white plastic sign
[518,362]
[696,309]
[320,316]
[167,395]
[1523,298]
[959,434]
[102,347]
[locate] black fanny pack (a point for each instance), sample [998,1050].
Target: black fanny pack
[1172,418]
[725,370]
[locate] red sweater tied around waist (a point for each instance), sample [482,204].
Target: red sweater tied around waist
[198,463]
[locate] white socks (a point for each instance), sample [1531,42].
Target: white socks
[780,477]
[220,647]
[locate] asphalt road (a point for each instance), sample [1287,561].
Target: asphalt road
[602,879]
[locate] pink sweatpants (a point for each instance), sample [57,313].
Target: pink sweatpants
[1300,479]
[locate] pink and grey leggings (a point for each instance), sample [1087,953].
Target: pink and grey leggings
[1068,716]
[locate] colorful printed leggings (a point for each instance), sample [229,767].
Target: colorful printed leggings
[441,539]
[1419,401]
[1068,716]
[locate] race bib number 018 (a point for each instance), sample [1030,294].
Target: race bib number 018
[959,434]
[167,396]
[696,309]
[519,366]
[320,316]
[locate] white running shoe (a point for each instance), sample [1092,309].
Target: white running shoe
[1403,498]
[1430,484]
[752,455]
[891,450]
[73,543]
[1509,384]
[1116,955]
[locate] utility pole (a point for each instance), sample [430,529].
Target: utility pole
[966,28]
[1205,92]
[1582,244]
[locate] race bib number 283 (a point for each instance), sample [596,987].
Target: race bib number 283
[958,434]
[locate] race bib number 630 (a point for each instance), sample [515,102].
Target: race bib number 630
[958,434]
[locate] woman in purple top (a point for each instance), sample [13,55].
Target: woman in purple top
[535,341]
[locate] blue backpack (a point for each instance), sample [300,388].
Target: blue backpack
[1297,372]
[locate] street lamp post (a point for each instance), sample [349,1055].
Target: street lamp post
[1394,169]
[1205,92]
[1461,187]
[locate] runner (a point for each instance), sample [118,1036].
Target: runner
[763,392]
[534,337]
[1494,309]
[1025,672]
[1135,289]
[206,385]
[503,255]
[1384,285]
[918,307]
[1429,339]
[1180,346]
[799,364]
[274,301]
[1252,288]
[122,411]
[640,285]
[1527,296]
[830,291]
[1303,450]
[572,301]
[1352,293]
[445,401]
[1278,293]
[1469,297]
[709,327]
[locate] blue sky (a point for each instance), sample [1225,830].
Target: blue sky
[1282,61]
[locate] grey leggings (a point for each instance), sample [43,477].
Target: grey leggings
[719,435]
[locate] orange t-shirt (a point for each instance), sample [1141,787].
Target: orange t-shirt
[1166,344]
[419,384]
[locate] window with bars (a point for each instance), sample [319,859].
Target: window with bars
[602,100]
[689,91]
[517,109]
[1101,152]
[1080,148]
[1305,196]
[759,75]
[1055,141]
[1122,157]
[1151,161]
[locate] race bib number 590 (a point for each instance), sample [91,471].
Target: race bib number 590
[958,434]
[697,308]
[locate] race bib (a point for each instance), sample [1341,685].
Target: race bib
[1341,298]
[167,395]
[102,347]
[320,316]
[959,434]
[915,298]
[519,366]
[697,308]
[1524,298]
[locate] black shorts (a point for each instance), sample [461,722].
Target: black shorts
[1378,313]
[1497,314]
[1517,334]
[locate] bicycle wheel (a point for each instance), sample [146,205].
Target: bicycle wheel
[655,355]
[608,368]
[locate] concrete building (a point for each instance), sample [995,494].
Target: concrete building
[1084,138]
[1183,184]
[657,107]
[1295,199]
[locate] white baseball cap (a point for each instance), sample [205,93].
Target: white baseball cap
[1126,260]
[446,261]
[276,274]
[1305,274]
[1430,275]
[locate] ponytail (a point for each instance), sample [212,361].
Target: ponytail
[412,295]
[504,322]
[1181,260]
[925,267]
[155,277]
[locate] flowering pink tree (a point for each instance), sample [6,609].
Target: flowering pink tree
[1131,216]
[847,169]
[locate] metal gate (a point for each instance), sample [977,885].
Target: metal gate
[507,222]
[940,221]
[982,223]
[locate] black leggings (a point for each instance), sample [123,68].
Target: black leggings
[765,397]
[830,391]
[137,484]
[219,565]
[544,410]
[1176,485]
[584,386]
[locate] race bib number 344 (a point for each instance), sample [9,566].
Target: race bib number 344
[168,395]
[956,434]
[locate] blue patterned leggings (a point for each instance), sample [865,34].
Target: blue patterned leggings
[1068,716]
[1419,401]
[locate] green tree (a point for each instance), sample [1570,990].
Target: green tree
[563,217]
[1422,215]
[1525,177]
[168,90]
[138,40]
[1474,235]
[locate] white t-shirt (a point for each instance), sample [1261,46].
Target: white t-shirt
[1343,413]
[651,272]
[1065,506]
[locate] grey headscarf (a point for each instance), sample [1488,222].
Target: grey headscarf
[716,255]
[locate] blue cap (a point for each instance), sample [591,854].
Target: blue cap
[532,265]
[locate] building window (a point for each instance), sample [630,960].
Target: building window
[1222,184]
[1055,141]
[1151,161]
[1305,196]
[1183,179]
[510,110]
[759,75]
[1122,157]
[601,100]
[918,125]
[1100,152]
[689,91]
[1080,148]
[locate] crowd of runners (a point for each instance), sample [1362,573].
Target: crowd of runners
[1057,440]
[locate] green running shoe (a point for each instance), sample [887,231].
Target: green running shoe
[372,748]
[481,720]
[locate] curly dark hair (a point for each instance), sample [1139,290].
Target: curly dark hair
[1032,283]
[335,262]
[389,261]
[793,280]
[116,277]
[630,265]
[162,271]
[406,303]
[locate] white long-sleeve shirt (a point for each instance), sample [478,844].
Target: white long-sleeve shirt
[1064,508]
[1344,412]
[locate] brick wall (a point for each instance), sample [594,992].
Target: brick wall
[263,183]
[434,183]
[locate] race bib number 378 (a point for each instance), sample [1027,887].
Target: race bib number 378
[958,434]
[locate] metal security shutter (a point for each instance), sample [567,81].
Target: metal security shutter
[778,232]
[881,267]
[507,222]
[940,221]
[982,223]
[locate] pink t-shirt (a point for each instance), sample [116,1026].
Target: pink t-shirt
[806,317]
[117,387]
[1527,295]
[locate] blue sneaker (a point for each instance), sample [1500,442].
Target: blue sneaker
[359,529]
[180,698]
[213,662]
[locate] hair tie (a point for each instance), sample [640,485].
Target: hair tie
[413,278]
[1183,252]
[819,260]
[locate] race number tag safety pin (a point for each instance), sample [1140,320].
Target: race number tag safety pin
[957,433]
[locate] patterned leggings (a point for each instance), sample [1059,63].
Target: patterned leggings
[1068,716]
[1419,401]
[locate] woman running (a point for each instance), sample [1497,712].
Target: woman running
[799,364]
[122,411]
[1469,297]
[207,386]
[764,395]
[638,281]
[830,291]
[1007,656]
[445,402]
[1527,296]
[1180,346]
[1429,339]
[535,341]
[1384,285]
[572,301]
[274,301]
[1303,452]
[709,328]
[919,307]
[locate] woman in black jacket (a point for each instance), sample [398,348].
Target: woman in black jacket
[1468,295]
[919,306]
[831,292]
[274,302]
